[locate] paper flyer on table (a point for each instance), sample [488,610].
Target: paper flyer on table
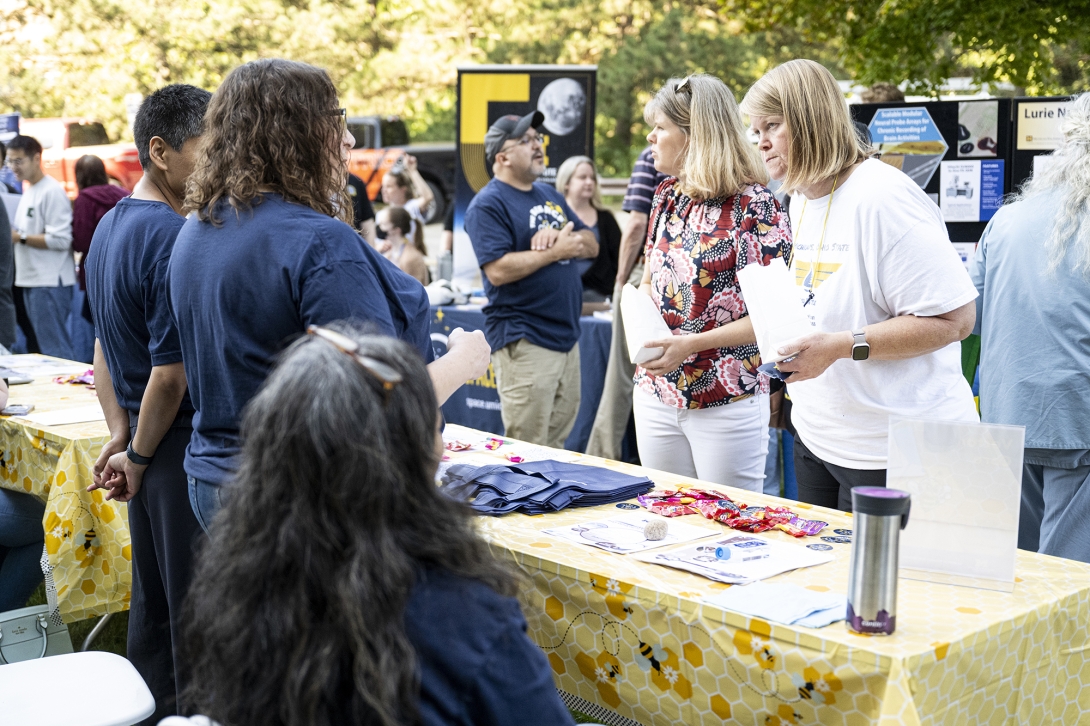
[83,414]
[749,558]
[642,322]
[774,306]
[41,365]
[624,533]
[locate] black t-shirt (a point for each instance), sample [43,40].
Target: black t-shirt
[361,205]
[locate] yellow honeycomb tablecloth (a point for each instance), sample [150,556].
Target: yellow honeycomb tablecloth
[637,638]
[86,537]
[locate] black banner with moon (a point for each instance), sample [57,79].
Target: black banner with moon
[564,94]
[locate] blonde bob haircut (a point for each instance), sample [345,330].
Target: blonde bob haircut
[719,159]
[567,171]
[823,141]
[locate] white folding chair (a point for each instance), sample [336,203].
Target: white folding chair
[90,689]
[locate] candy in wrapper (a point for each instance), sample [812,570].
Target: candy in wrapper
[457,446]
[677,502]
[514,458]
[802,527]
[493,444]
[661,506]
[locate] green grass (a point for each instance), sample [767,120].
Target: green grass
[112,638]
[581,717]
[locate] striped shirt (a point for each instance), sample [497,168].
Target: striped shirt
[642,184]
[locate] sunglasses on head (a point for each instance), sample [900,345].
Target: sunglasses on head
[384,372]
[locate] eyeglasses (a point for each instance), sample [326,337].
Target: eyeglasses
[384,372]
[527,139]
[343,113]
[684,86]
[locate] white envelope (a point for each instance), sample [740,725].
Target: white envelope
[642,322]
[772,299]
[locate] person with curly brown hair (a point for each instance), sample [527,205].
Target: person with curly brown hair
[266,252]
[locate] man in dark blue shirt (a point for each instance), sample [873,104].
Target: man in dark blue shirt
[525,237]
[141,383]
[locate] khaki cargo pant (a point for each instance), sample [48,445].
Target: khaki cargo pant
[539,392]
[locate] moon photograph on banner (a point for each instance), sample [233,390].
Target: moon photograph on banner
[565,96]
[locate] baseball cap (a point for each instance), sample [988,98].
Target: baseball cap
[509,127]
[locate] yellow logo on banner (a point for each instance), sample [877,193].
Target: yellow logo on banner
[478,89]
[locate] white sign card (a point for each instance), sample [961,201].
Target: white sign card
[1038,125]
[965,479]
[750,558]
[624,533]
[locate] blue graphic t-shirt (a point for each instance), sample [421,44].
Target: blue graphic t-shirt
[542,307]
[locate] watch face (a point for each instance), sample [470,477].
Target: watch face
[860,351]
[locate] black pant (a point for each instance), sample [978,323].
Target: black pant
[829,485]
[164,534]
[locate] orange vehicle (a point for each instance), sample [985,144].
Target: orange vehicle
[65,140]
[382,141]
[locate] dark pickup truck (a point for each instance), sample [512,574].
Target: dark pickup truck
[382,141]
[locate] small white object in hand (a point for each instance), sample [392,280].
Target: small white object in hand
[655,530]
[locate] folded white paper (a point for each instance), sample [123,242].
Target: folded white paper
[642,323]
[783,602]
[83,414]
[624,533]
[772,299]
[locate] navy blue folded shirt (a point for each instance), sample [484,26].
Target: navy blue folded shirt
[543,307]
[242,291]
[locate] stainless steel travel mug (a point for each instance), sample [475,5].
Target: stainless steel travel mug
[879,515]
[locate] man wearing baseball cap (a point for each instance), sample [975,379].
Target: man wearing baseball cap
[525,237]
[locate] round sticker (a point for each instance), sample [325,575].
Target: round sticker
[843,532]
[627,505]
[819,547]
[837,540]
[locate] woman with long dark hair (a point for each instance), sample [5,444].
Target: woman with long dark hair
[339,585]
[267,253]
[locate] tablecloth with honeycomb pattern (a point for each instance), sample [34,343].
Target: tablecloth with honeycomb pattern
[86,537]
[637,638]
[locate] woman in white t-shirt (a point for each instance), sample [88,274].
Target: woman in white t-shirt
[883,287]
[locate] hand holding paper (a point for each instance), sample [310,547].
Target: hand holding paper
[642,323]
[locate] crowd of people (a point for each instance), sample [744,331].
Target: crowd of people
[272,395]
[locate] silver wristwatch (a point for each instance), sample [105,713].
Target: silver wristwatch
[860,346]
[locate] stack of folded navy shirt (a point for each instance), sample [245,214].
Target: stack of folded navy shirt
[540,487]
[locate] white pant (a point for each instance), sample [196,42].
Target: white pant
[722,445]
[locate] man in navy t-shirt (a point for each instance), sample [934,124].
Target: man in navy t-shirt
[142,386]
[525,237]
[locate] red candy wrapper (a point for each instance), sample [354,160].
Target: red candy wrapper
[514,458]
[457,446]
[676,502]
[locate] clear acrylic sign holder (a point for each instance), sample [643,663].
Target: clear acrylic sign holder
[966,482]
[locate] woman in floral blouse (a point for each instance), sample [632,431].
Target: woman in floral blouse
[702,408]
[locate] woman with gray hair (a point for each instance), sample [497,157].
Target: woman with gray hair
[1032,270]
[577,180]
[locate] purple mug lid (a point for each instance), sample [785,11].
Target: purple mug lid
[880,501]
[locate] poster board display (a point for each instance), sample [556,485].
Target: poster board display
[566,95]
[965,479]
[957,151]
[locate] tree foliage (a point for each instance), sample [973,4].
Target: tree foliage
[81,57]
[1037,45]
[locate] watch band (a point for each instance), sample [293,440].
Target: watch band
[135,457]
[860,338]
[860,346]
[22,239]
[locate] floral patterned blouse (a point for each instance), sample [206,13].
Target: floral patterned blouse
[694,247]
